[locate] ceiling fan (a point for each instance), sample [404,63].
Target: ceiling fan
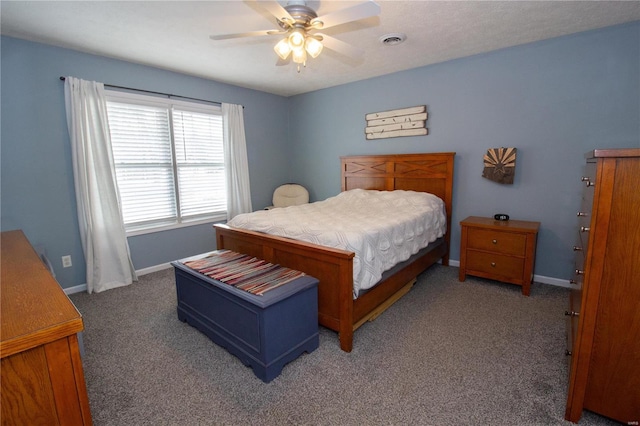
[299,24]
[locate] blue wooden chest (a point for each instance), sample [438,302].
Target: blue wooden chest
[264,332]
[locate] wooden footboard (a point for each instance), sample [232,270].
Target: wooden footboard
[337,310]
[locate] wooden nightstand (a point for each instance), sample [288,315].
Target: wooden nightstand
[499,250]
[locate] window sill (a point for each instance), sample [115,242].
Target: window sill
[161,228]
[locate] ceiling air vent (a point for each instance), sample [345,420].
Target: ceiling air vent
[393,39]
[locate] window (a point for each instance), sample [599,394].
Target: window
[169,161]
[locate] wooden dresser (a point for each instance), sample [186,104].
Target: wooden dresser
[604,312]
[42,376]
[499,250]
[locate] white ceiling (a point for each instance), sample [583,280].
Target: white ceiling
[174,35]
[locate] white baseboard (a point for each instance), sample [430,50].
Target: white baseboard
[552,281]
[536,278]
[75,289]
[156,268]
[144,271]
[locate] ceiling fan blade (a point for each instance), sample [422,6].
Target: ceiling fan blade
[341,47]
[353,13]
[247,34]
[274,8]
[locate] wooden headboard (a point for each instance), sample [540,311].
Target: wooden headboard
[428,172]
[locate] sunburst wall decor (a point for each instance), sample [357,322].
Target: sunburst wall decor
[500,165]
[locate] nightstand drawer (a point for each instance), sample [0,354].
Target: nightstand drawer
[497,241]
[494,264]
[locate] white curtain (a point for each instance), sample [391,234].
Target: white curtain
[235,161]
[101,228]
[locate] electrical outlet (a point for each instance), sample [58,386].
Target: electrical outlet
[66,261]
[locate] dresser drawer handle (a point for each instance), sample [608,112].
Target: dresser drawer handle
[584,229]
[576,248]
[571,313]
[493,264]
[587,181]
[567,352]
[579,272]
[581,214]
[494,241]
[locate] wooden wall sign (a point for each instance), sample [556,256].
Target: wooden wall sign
[399,122]
[500,165]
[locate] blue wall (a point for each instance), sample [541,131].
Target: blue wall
[553,100]
[36,173]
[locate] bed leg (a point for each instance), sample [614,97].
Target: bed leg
[346,339]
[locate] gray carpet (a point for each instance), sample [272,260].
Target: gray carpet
[448,353]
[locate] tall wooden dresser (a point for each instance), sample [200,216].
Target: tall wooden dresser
[42,377]
[604,314]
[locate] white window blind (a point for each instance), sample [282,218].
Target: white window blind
[169,160]
[200,163]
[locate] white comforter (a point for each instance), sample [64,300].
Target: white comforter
[382,228]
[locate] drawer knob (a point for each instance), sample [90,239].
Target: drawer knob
[567,352]
[576,248]
[571,313]
[493,264]
[584,229]
[579,272]
[581,214]
[494,241]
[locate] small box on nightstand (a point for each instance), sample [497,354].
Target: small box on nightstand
[502,250]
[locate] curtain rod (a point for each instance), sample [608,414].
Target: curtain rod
[156,93]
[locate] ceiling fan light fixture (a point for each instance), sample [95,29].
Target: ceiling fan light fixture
[297,22]
[313,47]
[299,56]
[297,39]
[282,48]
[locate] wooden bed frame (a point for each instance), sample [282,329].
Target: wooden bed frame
[337,310]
